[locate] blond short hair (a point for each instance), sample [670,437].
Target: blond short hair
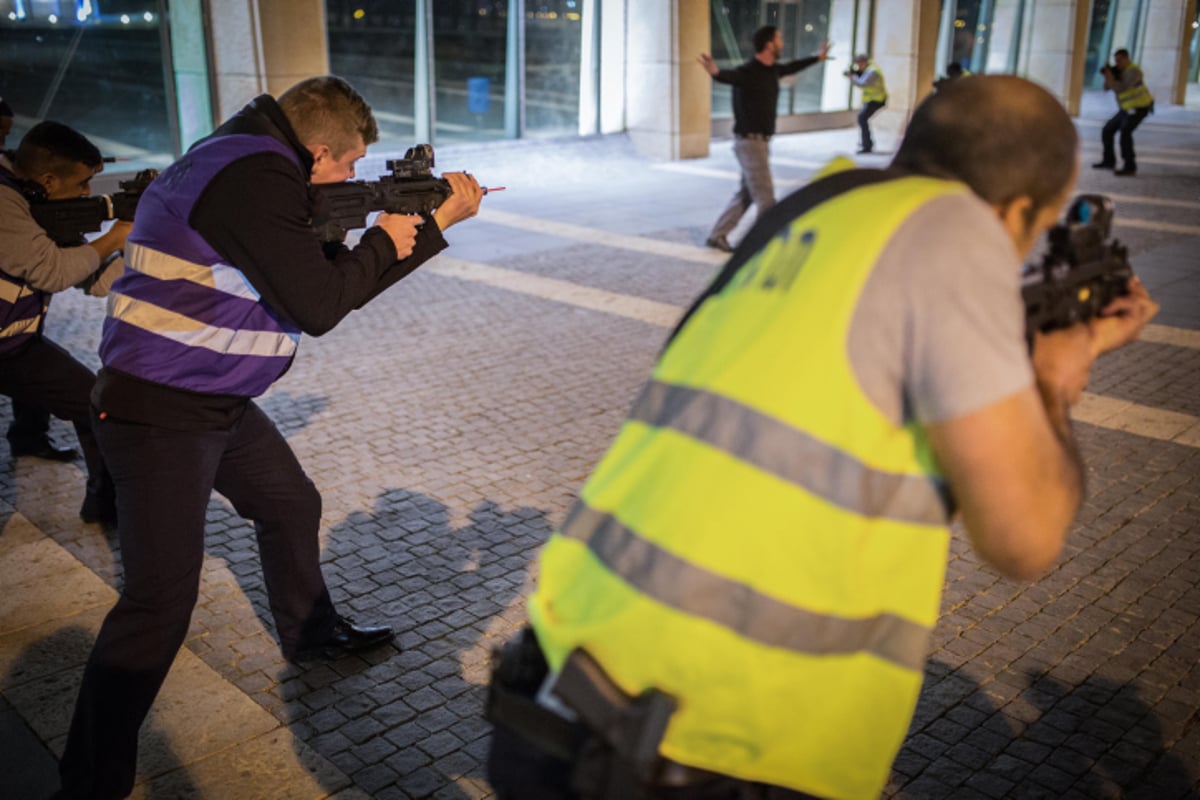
[327,110]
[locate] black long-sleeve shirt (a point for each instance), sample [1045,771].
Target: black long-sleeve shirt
[756,92]
[256,214]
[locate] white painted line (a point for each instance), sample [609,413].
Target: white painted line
[1104,412]
[1150,225]
[560,291]
[784,161]
[713,172]
[580,233]
[1170,162]
[1123,415]
[1093,147]
[1164,334]
[1161,125]
[1153,201]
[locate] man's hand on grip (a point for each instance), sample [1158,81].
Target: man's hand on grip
[1122,320]
[402,228]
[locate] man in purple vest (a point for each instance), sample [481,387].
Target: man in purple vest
[223,275]
[58,163]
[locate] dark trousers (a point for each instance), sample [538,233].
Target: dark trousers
[518,770]
[1126,122]
[869,110]
[45,375]
[29,427]
[164,480]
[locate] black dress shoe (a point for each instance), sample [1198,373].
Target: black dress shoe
[345,638]
[718,243]
[98,510]
[1104,165]
[44,449]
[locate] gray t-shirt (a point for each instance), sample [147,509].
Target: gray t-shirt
[940,329]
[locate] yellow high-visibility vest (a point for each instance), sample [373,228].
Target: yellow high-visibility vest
[875,94]
[760,541]
[1137,96]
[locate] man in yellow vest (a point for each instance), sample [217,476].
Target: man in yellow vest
[740,603]
[867,76]
[1125,78]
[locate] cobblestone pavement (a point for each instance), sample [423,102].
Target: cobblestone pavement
[449,424]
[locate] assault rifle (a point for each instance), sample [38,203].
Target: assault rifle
[1083,271]
[410,188]
[65,221]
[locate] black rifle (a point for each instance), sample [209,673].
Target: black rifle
[65,221]
[409,189]
[1083,271]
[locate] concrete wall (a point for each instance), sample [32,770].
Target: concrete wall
[613,23]
[1058,32]
[263,46]
[906,51]
[668,100]
[1164,51]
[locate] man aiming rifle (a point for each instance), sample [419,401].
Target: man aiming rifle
[54,162]
[225,274]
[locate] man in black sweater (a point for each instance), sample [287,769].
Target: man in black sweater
[223,275]
[755,97]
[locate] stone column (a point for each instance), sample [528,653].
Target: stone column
[668,95]
[613,16]
[189,67]
[905,49]
[262,46]
[1058,31]
[1165,56]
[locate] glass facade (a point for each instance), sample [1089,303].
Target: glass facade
[553,49]
[465,70]
[96,66]
[378,46]
[981,35]
[804,25]
[1115,24]
[372,45]
[1194,64]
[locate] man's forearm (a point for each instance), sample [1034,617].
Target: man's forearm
[1058,411]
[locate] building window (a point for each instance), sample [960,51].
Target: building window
[373,44]
[553,49]
[804,25]
[97,67]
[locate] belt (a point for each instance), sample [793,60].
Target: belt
[765,137]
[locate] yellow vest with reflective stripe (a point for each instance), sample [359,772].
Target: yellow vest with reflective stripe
[1137,96]
[875,94]
[760,541]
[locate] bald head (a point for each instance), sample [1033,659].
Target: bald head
[1003,136]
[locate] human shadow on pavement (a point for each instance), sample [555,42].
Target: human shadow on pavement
[43,682]
[409,724]
[1031,734]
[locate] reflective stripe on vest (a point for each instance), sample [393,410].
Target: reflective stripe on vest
[878,93]
[760,541]
[22,308]
[1137,96]
[179,315]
